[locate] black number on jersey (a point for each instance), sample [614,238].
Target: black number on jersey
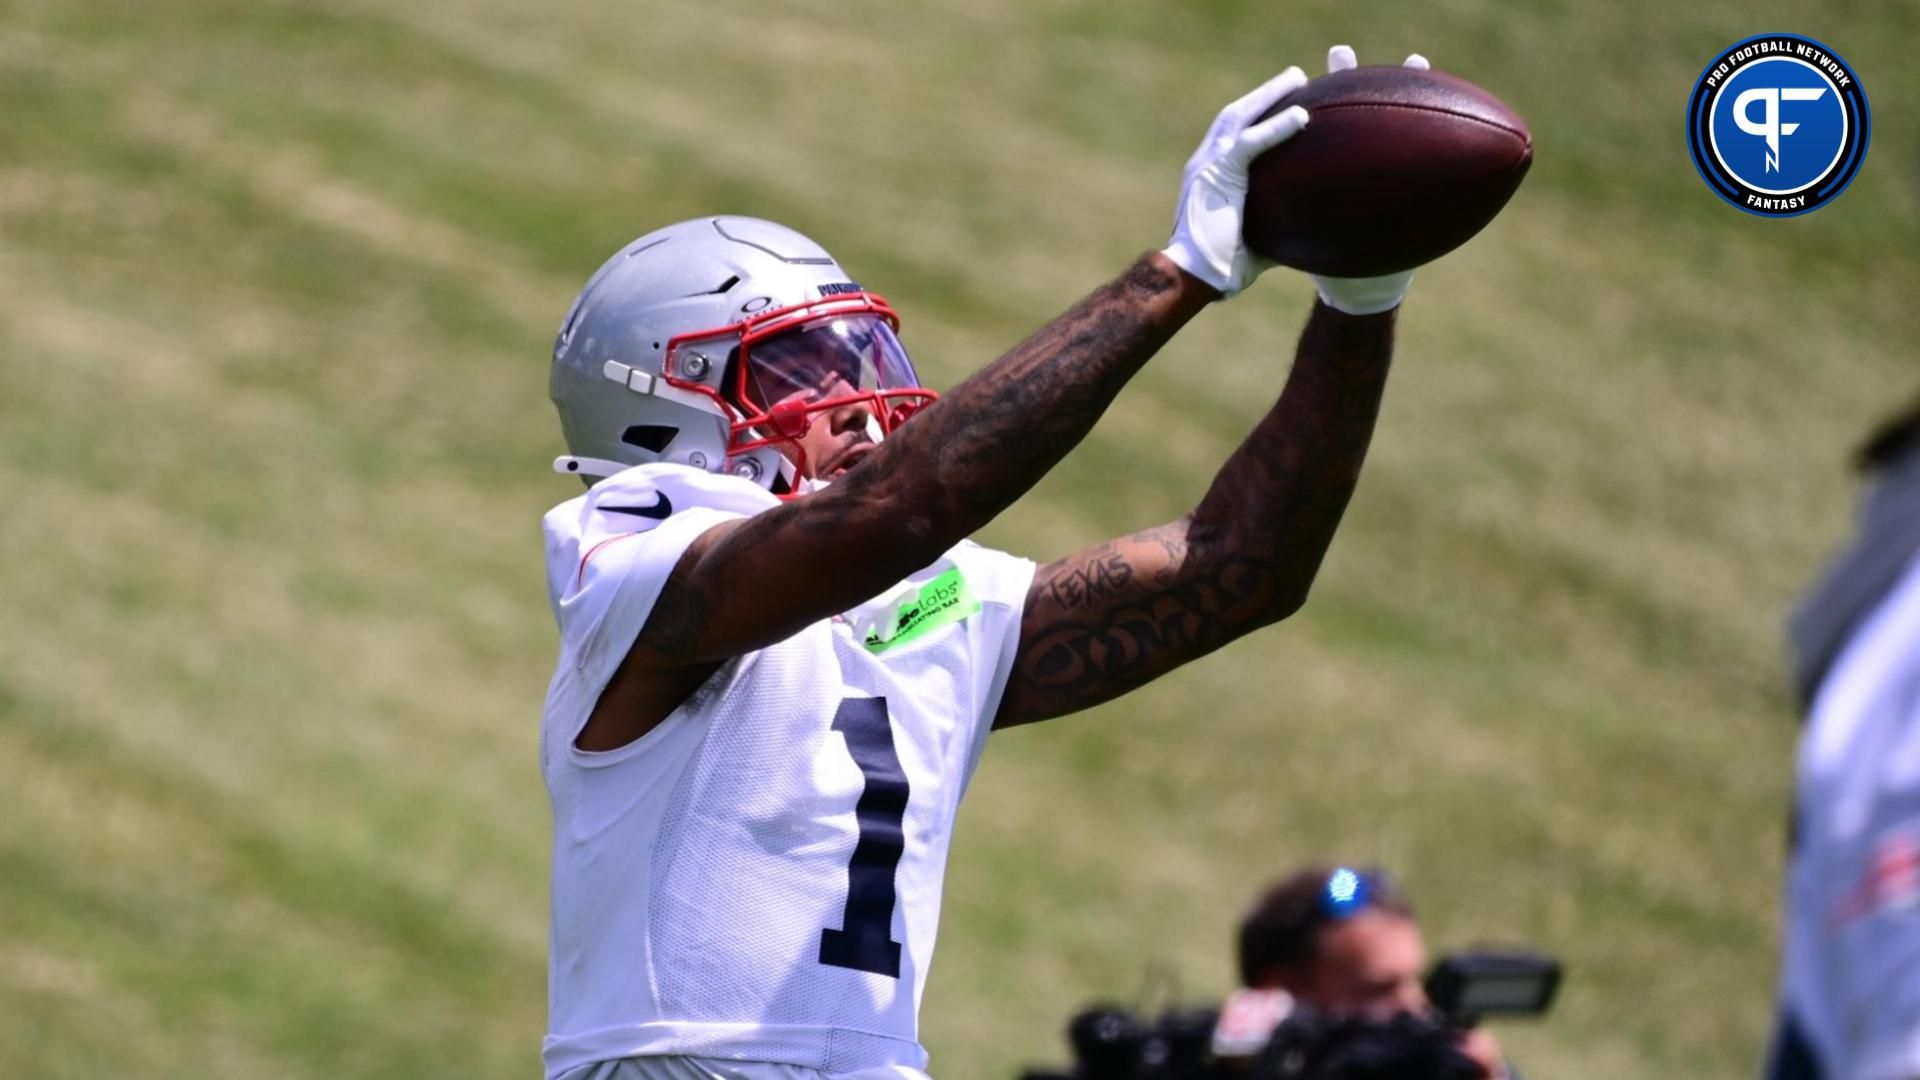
[864,941]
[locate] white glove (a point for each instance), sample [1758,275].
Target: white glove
[1364,296]
[1213,193]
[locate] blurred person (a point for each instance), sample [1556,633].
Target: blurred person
[781,655]
[1342,943]
[1331,964]
[1850,980]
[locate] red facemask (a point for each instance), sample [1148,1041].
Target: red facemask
[789,366]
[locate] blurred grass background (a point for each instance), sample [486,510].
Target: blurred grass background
[277,285]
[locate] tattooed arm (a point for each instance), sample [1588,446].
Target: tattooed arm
[929,485]
[933,482]
[1118,615]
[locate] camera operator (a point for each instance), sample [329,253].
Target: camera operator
[1331,961]
[1336,943]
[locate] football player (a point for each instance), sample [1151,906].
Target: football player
[1850,980]
[781,655]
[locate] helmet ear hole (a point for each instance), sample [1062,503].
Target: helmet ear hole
[653,438]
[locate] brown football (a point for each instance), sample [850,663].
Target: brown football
[1395,168]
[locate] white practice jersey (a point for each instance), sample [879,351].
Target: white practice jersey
[1852,972]
[758,878]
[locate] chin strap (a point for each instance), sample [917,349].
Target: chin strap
[600,468]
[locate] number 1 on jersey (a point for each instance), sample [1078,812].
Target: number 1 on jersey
[865,940]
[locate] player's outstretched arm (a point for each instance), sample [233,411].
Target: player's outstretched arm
[747,584]
[932,483]
[1115,616]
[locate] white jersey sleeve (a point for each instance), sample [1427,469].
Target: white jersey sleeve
[610,551]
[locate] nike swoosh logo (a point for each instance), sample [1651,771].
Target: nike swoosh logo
[658,511]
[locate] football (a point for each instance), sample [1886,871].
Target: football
[1395,168]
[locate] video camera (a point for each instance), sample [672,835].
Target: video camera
[1111,1042]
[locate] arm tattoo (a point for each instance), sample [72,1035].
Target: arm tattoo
[990,439]
[678,621]
[1101,575]
[1106,620]
[1124,645]
[931,483]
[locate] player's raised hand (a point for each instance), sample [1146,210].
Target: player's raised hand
[1364,296]
[1213,194]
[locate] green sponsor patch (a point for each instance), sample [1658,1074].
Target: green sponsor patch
[945,599]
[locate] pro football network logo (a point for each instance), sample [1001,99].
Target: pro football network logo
[1778,125]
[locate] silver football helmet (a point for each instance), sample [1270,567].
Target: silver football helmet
[714,343]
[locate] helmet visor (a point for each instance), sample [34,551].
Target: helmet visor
[826,359]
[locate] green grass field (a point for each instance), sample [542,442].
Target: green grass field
[278,282]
